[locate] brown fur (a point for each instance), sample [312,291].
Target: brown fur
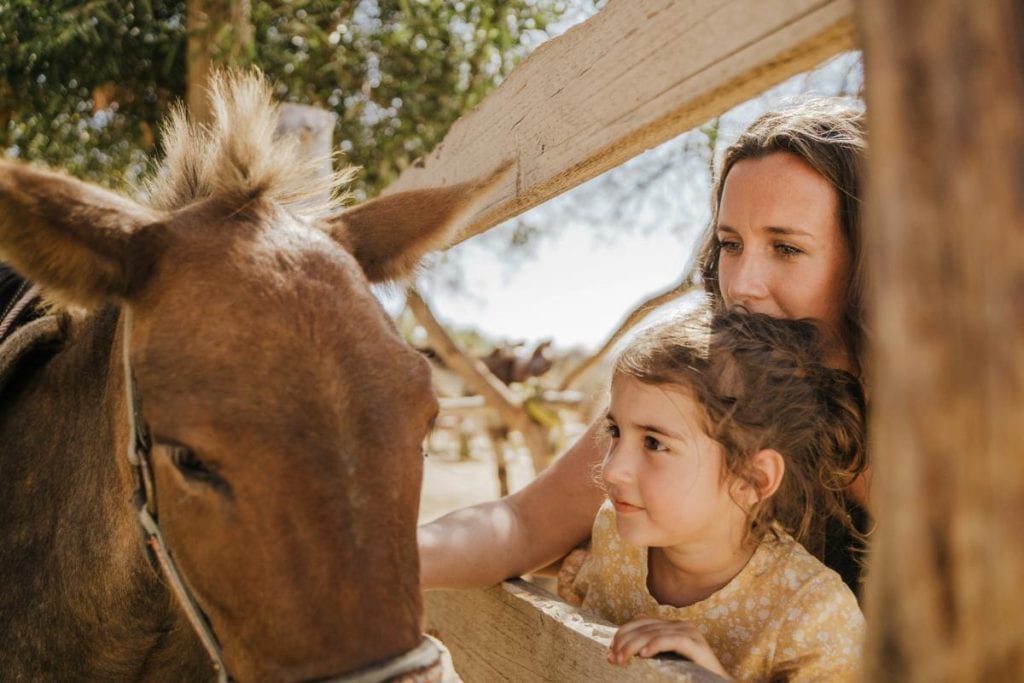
[256,342]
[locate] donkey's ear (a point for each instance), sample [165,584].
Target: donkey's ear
[79,242]
[389,235]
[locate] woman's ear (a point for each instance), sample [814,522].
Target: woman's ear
[767,468]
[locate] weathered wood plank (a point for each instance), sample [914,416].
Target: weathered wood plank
[633,76]
[945,250]
[517,632]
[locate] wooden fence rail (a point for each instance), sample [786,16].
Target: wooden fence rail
[633,76]
[519,633]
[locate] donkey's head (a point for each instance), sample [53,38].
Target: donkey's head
[286,412]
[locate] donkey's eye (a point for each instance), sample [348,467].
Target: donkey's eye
[194,469]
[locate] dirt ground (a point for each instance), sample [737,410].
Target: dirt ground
[451,481]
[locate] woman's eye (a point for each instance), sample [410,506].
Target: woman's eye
[652,444]
[613,430]
[730,246]
[787,250]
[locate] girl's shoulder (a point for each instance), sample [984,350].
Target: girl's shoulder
[780,553]
[606,544]
[800,582]
[609,579]
[785,569]
[818,626]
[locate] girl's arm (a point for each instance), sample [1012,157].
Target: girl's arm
[487,543]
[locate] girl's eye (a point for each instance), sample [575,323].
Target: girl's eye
[612,429]
[652,444]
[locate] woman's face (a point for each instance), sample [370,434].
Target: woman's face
[783,252]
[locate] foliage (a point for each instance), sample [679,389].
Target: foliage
[86,83]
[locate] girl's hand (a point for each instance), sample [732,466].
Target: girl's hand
[647,636]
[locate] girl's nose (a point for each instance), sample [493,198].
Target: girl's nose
[616,469]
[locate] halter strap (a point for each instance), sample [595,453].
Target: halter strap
[22,298]
[139,445]
[422,664]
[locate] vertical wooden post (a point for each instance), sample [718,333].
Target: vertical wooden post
[219,32]
[945,91]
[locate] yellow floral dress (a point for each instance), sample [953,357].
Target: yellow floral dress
[785,616]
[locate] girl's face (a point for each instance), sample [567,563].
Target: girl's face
[663,473]
[783,252]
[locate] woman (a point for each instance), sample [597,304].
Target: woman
[785,241]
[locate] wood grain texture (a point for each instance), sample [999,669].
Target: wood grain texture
[945,250]
[519,633]
[633,76]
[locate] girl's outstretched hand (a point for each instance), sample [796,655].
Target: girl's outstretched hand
[646,636]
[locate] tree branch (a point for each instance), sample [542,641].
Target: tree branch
[684,286]
[479,379]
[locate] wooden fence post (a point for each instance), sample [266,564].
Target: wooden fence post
[219,32]
[518,633]
[945,90]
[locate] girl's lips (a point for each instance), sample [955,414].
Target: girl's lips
[622,506]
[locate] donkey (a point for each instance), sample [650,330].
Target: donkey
[225,375]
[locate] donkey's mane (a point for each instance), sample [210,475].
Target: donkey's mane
[238,157]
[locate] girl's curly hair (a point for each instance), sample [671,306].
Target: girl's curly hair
[762,383]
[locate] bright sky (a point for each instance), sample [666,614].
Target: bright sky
[586,272]
[574,290]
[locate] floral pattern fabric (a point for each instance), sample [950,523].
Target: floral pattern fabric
[784,616]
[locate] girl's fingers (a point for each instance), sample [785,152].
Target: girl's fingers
[669,641]
[632,629]
[626,645]
[651,625]
[637,637]
[687,642]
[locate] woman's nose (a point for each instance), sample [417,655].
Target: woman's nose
[744,281]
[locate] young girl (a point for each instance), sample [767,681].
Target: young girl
[723,446]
